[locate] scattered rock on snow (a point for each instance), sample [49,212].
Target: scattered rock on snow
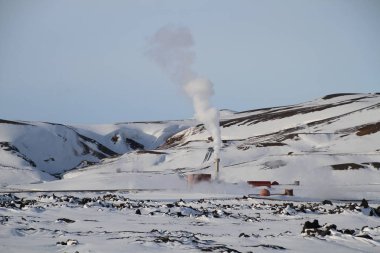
[65,220]
[327,202]
[243,235]
[68,242]
[314,229]
[310,225]
[289,210]
[364,203]
[366,236]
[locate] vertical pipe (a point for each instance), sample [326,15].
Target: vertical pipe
[217,161]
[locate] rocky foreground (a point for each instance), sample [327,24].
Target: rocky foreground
[116,223]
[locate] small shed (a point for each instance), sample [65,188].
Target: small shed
[260,183]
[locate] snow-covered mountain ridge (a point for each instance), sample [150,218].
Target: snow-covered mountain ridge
[39,149]
[336,138]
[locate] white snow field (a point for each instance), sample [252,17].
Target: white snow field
[122,187]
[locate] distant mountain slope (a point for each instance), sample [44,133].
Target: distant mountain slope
[329,114]
[55,148]
[332,139]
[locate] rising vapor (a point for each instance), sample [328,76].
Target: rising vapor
[200,91]
[171,48]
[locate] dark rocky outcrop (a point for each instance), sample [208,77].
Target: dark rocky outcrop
[65,220]
[368,129]
[327,202]
[347,166]
[134,144]
[364,203]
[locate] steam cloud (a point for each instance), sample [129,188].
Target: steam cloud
[200,90]
[172,49]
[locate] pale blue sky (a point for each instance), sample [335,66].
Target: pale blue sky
[77,61]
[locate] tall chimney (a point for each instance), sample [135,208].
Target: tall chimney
[217,161]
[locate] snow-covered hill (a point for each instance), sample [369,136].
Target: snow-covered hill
[35,151]
[333,141]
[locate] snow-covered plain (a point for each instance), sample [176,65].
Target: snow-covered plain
[330,145]
[117,223]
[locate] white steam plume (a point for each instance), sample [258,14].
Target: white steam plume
[200,90]
[172,49]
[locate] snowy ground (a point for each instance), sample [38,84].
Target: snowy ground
[115,222]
